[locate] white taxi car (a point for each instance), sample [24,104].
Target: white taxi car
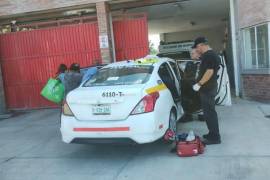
[134,100]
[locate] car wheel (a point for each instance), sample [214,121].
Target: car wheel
[172,121]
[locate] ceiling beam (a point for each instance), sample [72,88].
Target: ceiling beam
[52,14]
[143,3]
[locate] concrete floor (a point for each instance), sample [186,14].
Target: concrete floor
[31,149]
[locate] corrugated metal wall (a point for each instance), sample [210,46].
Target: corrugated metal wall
[131,37]
[29,58]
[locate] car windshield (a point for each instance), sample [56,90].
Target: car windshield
[122,75]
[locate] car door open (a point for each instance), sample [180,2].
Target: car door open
[168,79]
[223,96]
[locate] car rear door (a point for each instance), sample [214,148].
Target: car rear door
[168,78]
[177,76]
[223,96]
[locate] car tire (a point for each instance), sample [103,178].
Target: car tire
[172,125]
[173,121]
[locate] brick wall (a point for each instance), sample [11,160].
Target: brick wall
[253,12]
[102,13]
[257,87]
[104,30]
[9,7]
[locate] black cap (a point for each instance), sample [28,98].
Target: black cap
[199,40]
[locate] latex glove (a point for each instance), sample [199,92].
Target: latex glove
[196,87]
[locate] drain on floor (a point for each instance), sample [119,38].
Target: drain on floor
[267,116]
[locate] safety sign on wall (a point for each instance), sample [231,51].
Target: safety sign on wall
[103,41]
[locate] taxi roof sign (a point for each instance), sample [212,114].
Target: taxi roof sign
[147,60]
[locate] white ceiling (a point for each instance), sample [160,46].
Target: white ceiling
[177,17]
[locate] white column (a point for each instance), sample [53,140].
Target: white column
[268,43]
[234,48]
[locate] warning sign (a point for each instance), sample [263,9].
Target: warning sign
[103,41]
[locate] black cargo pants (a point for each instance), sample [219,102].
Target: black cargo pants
[209,112]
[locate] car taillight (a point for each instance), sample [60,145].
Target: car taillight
[147,104]
[66,109]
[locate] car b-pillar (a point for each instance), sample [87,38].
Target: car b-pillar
[105,32]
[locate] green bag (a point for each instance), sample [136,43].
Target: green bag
[54,91]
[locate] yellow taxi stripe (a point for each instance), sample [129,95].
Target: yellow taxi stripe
[159,87]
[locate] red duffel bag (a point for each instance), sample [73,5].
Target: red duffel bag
[190,148]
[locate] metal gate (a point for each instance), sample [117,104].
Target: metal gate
[29,58]
[131,36]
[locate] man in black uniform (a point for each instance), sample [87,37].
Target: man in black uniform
[207,87]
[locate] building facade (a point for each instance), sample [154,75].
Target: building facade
[252,32]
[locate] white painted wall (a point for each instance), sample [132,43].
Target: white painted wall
[214,35]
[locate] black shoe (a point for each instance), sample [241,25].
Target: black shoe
[206,136]
[211,136]
[210,142]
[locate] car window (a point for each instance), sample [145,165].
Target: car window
[167,77]
[165,73]
[176,70]
[122,75]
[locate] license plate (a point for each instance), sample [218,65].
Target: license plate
[101,109]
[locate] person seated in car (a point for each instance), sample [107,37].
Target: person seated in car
[73,78]
[190,98]
[90,72]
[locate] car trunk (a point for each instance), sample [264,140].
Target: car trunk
[102,103]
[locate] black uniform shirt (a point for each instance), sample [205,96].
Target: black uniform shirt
[209,60]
